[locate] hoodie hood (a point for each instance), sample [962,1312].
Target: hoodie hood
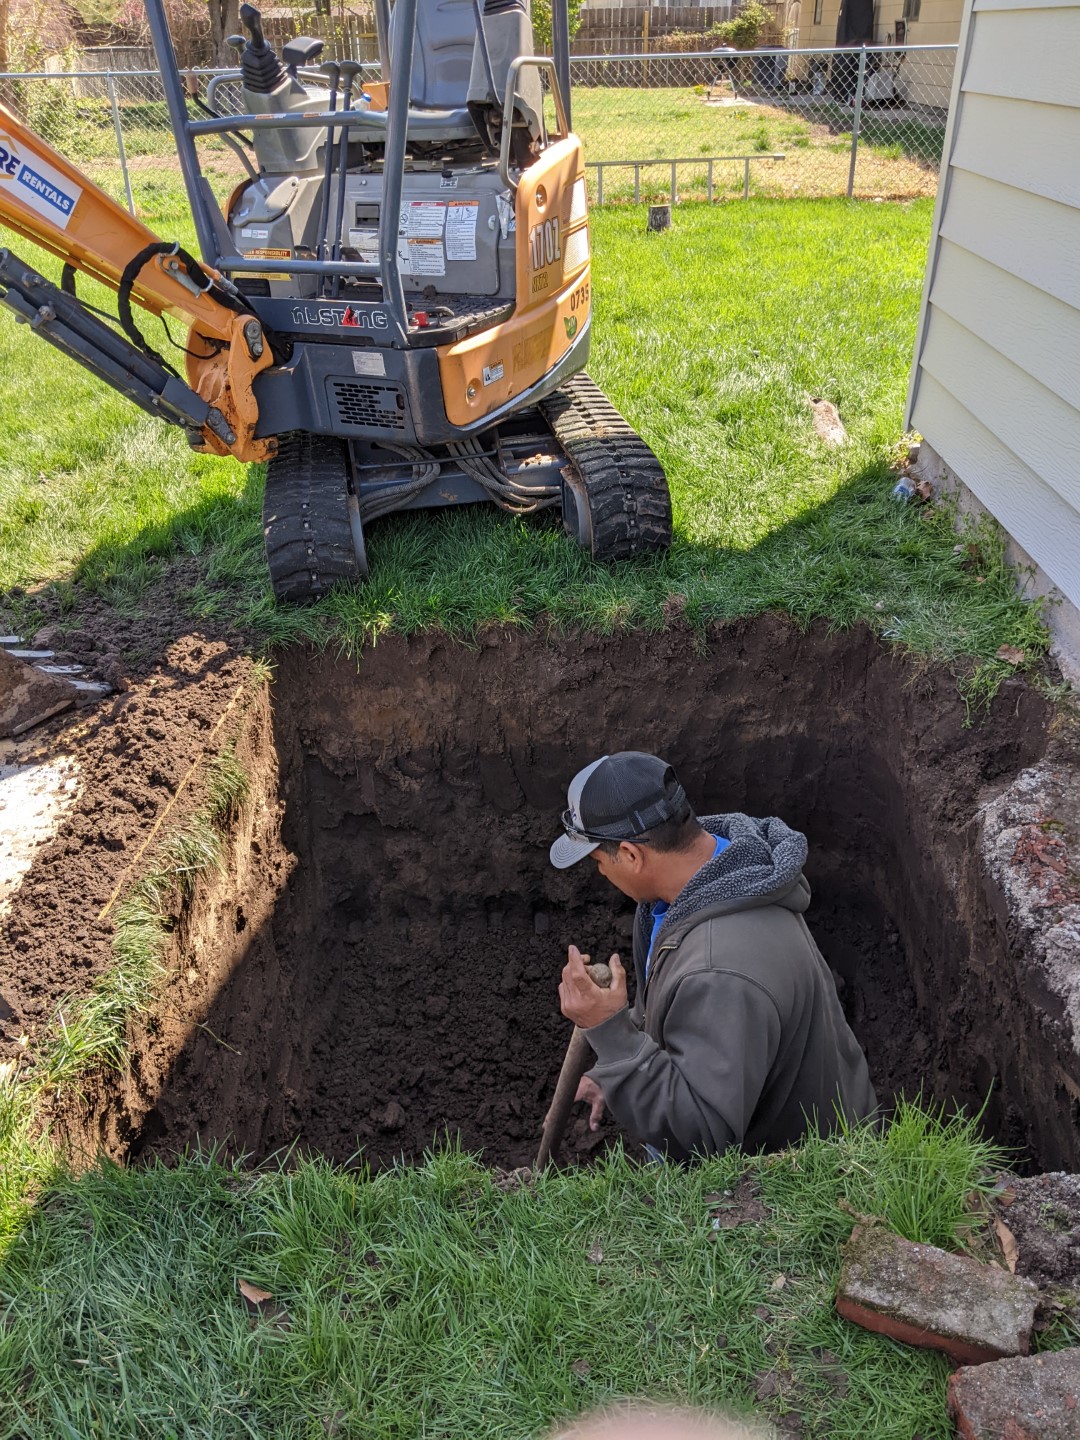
[763,860]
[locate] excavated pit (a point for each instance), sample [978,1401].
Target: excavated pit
[379,967]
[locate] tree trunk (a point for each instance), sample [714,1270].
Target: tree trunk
[224,21]
[5,48]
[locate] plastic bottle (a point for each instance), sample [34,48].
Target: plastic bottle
[904,488]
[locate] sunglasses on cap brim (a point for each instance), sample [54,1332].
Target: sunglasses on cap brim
[575,833]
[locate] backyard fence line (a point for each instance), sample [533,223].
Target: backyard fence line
[867,122]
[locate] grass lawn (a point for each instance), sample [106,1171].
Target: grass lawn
[435,1302]
[710,339]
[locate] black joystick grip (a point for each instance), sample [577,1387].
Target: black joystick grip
[260,69]
[251,19]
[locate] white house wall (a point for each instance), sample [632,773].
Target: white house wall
[996,381]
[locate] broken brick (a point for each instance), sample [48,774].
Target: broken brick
[924,1296]
[1034,1398]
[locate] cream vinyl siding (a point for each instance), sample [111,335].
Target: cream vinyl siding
[995,386]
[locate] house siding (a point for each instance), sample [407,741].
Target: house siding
[995,385]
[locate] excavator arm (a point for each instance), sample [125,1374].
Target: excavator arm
[46,199]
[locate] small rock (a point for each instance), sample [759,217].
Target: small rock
[1037,1398]
[827,422]
[436,1006]
[47,638]
[581,1369]
[541,922]
[923,1296]
[393,1117]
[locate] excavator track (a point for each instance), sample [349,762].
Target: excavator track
[312,541]
[616,499]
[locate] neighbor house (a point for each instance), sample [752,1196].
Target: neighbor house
[995,387]
[922,22]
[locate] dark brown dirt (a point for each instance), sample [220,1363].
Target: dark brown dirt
[379,966]
[134,750]
[391,972]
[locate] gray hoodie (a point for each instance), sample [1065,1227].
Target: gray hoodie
[738,1036]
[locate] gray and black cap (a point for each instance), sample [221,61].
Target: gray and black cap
[618,797]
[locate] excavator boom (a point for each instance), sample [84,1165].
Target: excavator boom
[44,198]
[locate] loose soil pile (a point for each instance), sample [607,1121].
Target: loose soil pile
[378,966]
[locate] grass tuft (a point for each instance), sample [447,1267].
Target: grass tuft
[227,787]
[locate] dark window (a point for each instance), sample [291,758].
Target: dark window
[819,10]
[911,9]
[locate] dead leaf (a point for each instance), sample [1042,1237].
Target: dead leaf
[595,1255]
[581,1368]
[253,1294]
[1012,653]
[779,1282]
[262,1306]
[1007,1240]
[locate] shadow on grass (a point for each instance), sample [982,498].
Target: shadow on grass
[858,555]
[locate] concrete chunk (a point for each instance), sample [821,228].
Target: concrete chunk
[27,697]
[1037,1398]
[924,1296]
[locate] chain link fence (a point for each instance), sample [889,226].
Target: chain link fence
[711,125]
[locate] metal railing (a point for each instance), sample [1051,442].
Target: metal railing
[866,123]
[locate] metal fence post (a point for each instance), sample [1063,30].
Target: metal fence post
[856,121]
[120,150]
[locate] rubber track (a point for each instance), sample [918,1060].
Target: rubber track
[309,545]
[625,483]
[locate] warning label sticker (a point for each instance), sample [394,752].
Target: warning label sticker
[422,257]
[268,254]
[423,219]
[461,218]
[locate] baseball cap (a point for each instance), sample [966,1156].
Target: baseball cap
[618,797]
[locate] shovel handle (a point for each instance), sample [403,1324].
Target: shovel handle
[574,1065]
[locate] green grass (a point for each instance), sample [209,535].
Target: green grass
[710,339]
[431,1303]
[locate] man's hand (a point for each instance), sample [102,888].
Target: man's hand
[582,1000]
[593,1096]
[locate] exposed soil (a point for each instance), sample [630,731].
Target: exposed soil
[1043,1213]
[135,749]
[379,964]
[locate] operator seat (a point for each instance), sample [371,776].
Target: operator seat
[442,53]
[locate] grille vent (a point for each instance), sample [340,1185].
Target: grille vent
[367,405]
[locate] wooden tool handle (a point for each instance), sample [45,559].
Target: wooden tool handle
[574,1065]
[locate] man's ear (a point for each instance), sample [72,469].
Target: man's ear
[635,854]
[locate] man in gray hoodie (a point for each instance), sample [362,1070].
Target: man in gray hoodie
[736,1036]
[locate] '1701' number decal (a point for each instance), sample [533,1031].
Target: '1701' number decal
[545,244]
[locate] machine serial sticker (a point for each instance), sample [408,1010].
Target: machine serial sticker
[448,182]
[252,232]
[368,362]
[39,186]
[493,373]
[366,241]
[461,216]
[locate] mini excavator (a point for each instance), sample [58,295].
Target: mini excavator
[392,309]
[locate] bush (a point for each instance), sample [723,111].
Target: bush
[745,30]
